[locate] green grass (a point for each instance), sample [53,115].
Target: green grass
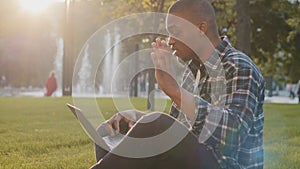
[282,136]
[42,133]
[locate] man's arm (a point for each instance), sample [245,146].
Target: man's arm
[165,76]
[241,99]
[185,101]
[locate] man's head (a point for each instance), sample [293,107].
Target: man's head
[185,39]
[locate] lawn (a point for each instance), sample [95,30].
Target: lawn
[42,133]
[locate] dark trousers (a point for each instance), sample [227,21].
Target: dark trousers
[187,153]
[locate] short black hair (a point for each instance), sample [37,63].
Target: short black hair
[195,10]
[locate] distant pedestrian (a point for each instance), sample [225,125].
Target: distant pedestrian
[2,85]
[298,92]
[291,92]
[3,81]
[51,84]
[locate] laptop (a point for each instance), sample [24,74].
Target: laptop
[100,136]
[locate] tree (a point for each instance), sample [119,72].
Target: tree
[82,20]
[243,26]
[113,10]
[273,34]
[293,39]
[274,38]
[24,42]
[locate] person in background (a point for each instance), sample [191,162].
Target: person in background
[3,81]
[298,93]
[2,85]
[51,84]
[290,90]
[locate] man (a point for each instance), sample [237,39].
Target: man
[218,109]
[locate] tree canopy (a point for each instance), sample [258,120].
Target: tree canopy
[27,40]
[274,29]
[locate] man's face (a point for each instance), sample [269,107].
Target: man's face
[182,36]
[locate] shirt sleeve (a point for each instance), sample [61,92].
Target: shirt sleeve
[228,123]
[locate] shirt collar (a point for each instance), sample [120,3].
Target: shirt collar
[214,61]
[221,48]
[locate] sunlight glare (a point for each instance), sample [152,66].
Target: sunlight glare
[35,5]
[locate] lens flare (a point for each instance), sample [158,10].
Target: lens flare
[35,5]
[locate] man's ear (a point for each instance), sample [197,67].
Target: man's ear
[202,27]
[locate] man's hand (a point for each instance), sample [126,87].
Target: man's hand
[165,76]
[122,121]
[164,68]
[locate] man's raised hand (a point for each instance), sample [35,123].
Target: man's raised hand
[164,67]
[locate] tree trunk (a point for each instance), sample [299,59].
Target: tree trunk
[68,58]
[243,26]
[134,82]
[150,100]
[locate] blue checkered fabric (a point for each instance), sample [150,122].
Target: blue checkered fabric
[229,99]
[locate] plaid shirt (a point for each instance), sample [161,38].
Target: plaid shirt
[229,95]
